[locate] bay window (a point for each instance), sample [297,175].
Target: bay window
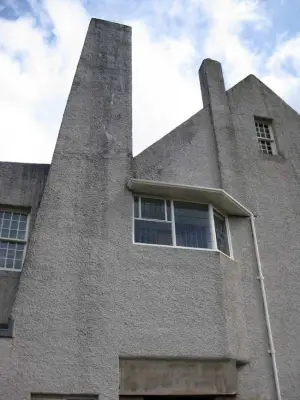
[180,224]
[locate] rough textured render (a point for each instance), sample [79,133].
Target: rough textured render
[21,186]
[88,298]
[166,160]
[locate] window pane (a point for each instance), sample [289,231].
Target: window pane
[19,255]
[192,225]
[13,234]
[18,264]
[221,233]
[9,263]
[14,225]
[2,253]
[153,208]
[10,254]
[22,226]
[23,217]
[4,233]
[21,235]
[136,207]
[168,210]
[15,217]
[153,232]
[5,224]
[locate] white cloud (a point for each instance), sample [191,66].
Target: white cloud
[278,70]
[35,75]
[224,40]
[283,71]
[165,86]
[35,78]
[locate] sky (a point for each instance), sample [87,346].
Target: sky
[41,41]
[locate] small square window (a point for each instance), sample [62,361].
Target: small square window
[265,136]
[13,236]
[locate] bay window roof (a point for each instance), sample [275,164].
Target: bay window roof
[215,196]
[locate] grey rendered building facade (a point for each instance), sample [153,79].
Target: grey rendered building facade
[95,315]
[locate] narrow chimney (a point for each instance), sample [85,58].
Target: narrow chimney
[215,97]
[212,83]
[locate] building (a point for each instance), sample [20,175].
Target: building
[206,302]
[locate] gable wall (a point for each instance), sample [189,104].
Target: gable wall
[186,155]
[272,191]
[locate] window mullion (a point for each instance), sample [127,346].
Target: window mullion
[228,237]
[140,207]
[214,244]
[10,221]
[165,206]
[173,223]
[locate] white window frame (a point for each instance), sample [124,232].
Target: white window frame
[227,226]
[211,209]
[13,240]
[270,140]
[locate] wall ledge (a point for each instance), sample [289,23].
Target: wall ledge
[216,196]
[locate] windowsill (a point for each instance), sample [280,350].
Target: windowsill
[10,270]
[271,157]
[184,248]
